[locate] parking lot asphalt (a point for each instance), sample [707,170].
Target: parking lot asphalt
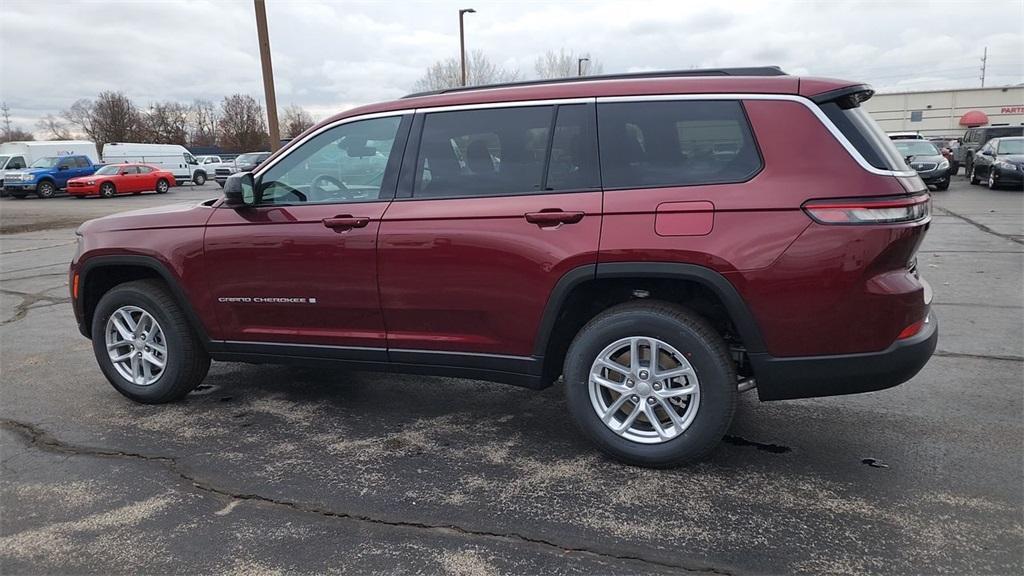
[269,469]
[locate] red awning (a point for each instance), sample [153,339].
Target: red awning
[974,118]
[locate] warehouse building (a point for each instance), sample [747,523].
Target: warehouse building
[948,113]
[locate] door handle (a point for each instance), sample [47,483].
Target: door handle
[553,217]
[346,222]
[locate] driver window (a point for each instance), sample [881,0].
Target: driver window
[344,164]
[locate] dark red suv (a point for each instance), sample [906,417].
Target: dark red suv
[660,241]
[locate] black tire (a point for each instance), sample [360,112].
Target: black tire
[162,186]
[46,189]
[991,183]
[692,336]
[187,361]
[943,186]
[107,190]
[972,174]
[199,178]
[954,169]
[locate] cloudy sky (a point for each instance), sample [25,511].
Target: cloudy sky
[332,55]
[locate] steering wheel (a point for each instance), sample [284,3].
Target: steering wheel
[342,190]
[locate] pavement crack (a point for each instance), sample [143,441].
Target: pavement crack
[40,438]
[29,301]
[946,354]
[773,448]
[980,226]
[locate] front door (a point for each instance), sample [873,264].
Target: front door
[496,211]
[299,267]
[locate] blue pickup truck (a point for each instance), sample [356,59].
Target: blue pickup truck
[47,175]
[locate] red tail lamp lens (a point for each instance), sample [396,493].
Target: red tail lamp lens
[870,210]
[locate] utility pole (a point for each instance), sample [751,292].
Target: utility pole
[462,41]
[579,65]
[984,60]
[268,74]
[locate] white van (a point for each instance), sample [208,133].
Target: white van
[171,157]
[20,155]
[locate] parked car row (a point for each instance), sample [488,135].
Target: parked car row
[243,163]
[991,153]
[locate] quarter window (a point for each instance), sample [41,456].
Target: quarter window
[675,143]
[344,164]
[490,152]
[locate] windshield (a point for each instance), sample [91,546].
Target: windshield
[1015,146]
[108,169]
[46,162]
[253,158]
[916,148]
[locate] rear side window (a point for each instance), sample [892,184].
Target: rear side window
[866,136]
[675,143]
[82,162]
[490,152]
[573,163]
[144,169]
[1002,132]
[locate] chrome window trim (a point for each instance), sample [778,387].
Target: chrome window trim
[836,133]
[807,103]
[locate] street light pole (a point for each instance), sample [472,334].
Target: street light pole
[268,74]
[579,65]
[462,40]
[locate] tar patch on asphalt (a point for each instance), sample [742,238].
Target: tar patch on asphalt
[772,448]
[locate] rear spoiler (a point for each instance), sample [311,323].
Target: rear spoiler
[845,98]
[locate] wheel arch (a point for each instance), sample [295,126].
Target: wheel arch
[127,268]
[579,286]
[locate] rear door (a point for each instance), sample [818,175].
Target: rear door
[492,211]
[147,179]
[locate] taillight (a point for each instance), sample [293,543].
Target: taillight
[870,210]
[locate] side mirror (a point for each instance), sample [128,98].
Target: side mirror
[240,190]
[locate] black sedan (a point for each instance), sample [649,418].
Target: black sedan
[1001,162]
[923,156]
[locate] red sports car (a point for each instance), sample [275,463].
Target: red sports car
[114,179]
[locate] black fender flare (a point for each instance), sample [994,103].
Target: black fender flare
[739,313]
[98,262]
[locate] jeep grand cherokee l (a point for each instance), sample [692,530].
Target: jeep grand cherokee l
[586,230]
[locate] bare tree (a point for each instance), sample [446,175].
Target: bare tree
[165,123]
[564,64]
[479,71]
[112,118]
[203,116]
[295,120]
[242,125]
[54,127]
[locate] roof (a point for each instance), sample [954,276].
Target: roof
[609,87]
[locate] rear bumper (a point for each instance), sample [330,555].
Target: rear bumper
[813,376]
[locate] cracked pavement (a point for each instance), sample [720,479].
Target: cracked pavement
[269,469]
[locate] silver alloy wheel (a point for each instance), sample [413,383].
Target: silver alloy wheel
[644,401]
[136,345]
[161,186]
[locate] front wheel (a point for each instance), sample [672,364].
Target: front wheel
[973,175]
[651,384]
[943,186]
[107,190]
[144,344]
[162,186]
[992,184]
[199,178]
[46,189]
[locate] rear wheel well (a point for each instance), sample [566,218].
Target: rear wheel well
[592,297]
[101,280]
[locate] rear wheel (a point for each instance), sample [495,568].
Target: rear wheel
[46,189]
[107,190]
[651,384]
[162,186]
[144,344]
[199,178]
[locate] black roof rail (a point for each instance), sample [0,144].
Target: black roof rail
[747,71]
